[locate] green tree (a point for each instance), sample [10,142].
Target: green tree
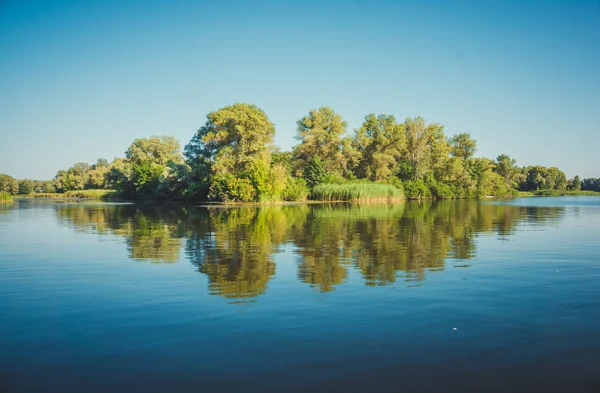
[320,135]
[315,172]
[9,184]
[507,168]
[118,176]
[26,186]
[418,147]
[576,184]
[463,146]
[380,141]
[149,158]
[233,149]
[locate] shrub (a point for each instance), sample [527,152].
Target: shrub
[228,188]
[295,190]
[315,173]
[440,190]
[416,189]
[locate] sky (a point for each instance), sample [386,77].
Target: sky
[80,80]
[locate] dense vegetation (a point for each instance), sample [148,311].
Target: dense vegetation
[232,158]
[5,197]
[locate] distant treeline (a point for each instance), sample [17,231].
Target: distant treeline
[232,158]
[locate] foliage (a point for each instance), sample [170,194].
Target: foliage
[416,189]
[574,184]
[542,178]
[315,172]
[320,135]
[90,194]
[355,192]
[507,168]
[229,188]
[419,136]
[590,184]
[231,158]
[440,190]
[151,159]
[25,186]
[380,143]
[235,142]
[463,146]
[9,184]
[295,190]
[5,197]
[77,194]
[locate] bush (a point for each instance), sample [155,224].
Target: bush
[416,189]
[228,188]
[315,173]
[295,190]
[440,190]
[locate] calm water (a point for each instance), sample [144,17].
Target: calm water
[449,296]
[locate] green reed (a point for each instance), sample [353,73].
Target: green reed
[355,192]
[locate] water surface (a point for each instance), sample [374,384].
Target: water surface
[448,296]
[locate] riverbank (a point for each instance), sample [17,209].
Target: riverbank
[557,193]
[80,194]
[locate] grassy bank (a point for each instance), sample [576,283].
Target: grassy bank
[5,197]
[558,193]
[355,192]
[80,194]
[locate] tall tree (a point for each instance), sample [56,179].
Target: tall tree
[418,151]
[320,135]
[9,184]
[507,168]
[26,186]
[576,183]
[232,153]
[463,146]
[149,157]
[380,141]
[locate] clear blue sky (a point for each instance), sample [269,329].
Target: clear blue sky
[82,79]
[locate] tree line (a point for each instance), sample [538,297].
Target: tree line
[232,157]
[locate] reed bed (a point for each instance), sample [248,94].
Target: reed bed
[79,194]
[356,192]
[90,194]
[5,197]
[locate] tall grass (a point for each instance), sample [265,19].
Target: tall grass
[563,193]
[355,192]
[79,194]
[90,194]
[5,197]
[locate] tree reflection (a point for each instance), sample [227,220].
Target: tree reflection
[235,247]
[151,233]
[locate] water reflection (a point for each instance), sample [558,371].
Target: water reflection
[235,247]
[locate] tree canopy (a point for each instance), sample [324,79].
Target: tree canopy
[232,157]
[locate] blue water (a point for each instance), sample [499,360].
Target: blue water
[448,296]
